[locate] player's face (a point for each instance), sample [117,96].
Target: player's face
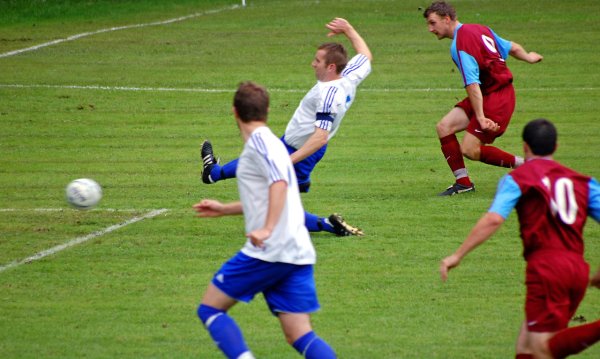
[439,26]
[320,66]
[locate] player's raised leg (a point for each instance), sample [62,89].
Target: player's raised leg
[474,149]
[211,170]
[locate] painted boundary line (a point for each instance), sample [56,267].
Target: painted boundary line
[71,209]
[80,240]
[216,90]
[116,28]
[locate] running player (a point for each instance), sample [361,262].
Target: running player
[552,203]
[480,56]
[278,257]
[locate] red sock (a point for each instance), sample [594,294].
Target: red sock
[524,356]
[573,340]
[496,157]
[453,154]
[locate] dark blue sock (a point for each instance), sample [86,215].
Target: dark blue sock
[224,172]
[313,347]
[224,331]
[315,223]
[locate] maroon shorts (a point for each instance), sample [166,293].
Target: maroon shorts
[556,283]
[498,106]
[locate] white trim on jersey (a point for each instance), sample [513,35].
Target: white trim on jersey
[333,98]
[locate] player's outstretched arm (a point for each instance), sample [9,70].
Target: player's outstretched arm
[213,208]
[518,52]
[342,26]
[483,230]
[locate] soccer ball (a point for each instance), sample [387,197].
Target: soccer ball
[83,193]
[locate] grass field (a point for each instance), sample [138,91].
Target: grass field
[129,108]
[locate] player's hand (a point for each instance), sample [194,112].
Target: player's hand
[338,26]
[258,237]
[447,264]
[209,208]
[534,57]
[488,125]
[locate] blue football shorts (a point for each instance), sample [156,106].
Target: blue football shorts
[287,288]
[304,168]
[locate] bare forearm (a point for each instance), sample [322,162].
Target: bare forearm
[233,208]
[342,26]
[518,52]
[483,230]
[312,145]
[485,227]
[358,43]
[476,99]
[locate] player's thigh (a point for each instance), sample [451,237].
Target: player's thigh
[454,121]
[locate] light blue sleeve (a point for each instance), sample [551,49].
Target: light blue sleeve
[469,68]
[504,45]
[507,196]
[594,200]
[466,64]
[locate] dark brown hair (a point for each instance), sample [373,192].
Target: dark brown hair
[335,54]
[251,102]
[441,8]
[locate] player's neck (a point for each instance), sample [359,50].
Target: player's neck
[246,129]
[536,157]
[453,25]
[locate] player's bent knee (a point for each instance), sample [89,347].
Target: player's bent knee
[443,129]
[472,153]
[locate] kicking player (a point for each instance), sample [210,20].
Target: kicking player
[316,120]
[278,257]
[553,203]
[485,113]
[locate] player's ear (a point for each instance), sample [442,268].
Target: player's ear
[526,150]
[234,111]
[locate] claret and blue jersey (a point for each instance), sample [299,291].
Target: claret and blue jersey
[480,56]
[552,202]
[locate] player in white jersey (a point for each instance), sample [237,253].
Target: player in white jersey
[316,120]
[278,257]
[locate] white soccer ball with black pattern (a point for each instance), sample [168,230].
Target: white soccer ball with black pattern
[83,193]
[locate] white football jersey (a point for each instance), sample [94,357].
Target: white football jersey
[263,161]
[333,98]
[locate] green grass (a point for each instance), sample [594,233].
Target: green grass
[132,293]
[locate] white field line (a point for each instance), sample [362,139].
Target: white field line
[70,209]
[116,28]
[80,240]
[223,90]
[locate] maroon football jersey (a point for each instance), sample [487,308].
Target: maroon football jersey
[553,207]
[481,43]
